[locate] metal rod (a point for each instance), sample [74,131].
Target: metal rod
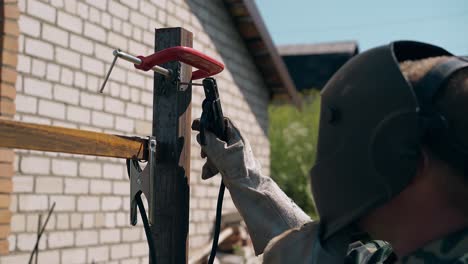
[39,224]
[36,246]
[108,73]
[190,83]
[137,61]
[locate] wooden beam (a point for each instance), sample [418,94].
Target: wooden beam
[171,128]
[21,135]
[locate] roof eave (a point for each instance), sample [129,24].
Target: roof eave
[251,27]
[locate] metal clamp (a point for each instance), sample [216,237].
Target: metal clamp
[140,181]
[138,61]
[207,66]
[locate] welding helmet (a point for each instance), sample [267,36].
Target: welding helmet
[372,125]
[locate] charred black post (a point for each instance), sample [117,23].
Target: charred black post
[170,174]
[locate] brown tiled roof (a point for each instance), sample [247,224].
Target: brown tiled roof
[260,45]
[347,47]
[312,65]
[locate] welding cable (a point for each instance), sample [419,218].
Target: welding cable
[146,225]
[217,228]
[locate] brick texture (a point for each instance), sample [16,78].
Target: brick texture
[8,76]
[63,51]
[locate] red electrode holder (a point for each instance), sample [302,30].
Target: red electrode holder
[206,65]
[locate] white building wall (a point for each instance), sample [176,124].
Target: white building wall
[65,49]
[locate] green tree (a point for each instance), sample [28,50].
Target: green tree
[293,137]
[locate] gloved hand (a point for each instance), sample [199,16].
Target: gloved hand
[265,208]
[232,159]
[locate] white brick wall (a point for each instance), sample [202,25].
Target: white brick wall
[98,254]
[85,238]
[88,203]
[30,26]
[112,170]
[67,57]
[51,109]
[49,185]
[34,164]
[120,251]
[64,167]
[78,114]
[33,202]
[41,10]
[90,169]
[37,88]
[60,239]
[64,203]
[100,187]
[55,35]
[65,48]
[91,101]
[70,22]
[66,94]
[109,236]
[39,48]
[76,186]
[26,104]
[75,256]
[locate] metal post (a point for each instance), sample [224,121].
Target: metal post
[169,215]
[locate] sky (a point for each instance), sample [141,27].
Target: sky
[369,22]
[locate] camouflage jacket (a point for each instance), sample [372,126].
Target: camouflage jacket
[452,249]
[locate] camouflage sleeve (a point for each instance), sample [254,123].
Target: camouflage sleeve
[375,251]
[297,246]
[451,249]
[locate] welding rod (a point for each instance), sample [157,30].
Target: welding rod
[137,61]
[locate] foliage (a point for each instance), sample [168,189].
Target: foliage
[293,137]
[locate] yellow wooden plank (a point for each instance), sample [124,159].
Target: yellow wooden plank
[14,134]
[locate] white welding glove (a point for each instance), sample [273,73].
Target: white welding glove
[265,208]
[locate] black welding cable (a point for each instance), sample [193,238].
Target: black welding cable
[146,225]
[217,228]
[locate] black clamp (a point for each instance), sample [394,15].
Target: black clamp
[212,117]
[140,181]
